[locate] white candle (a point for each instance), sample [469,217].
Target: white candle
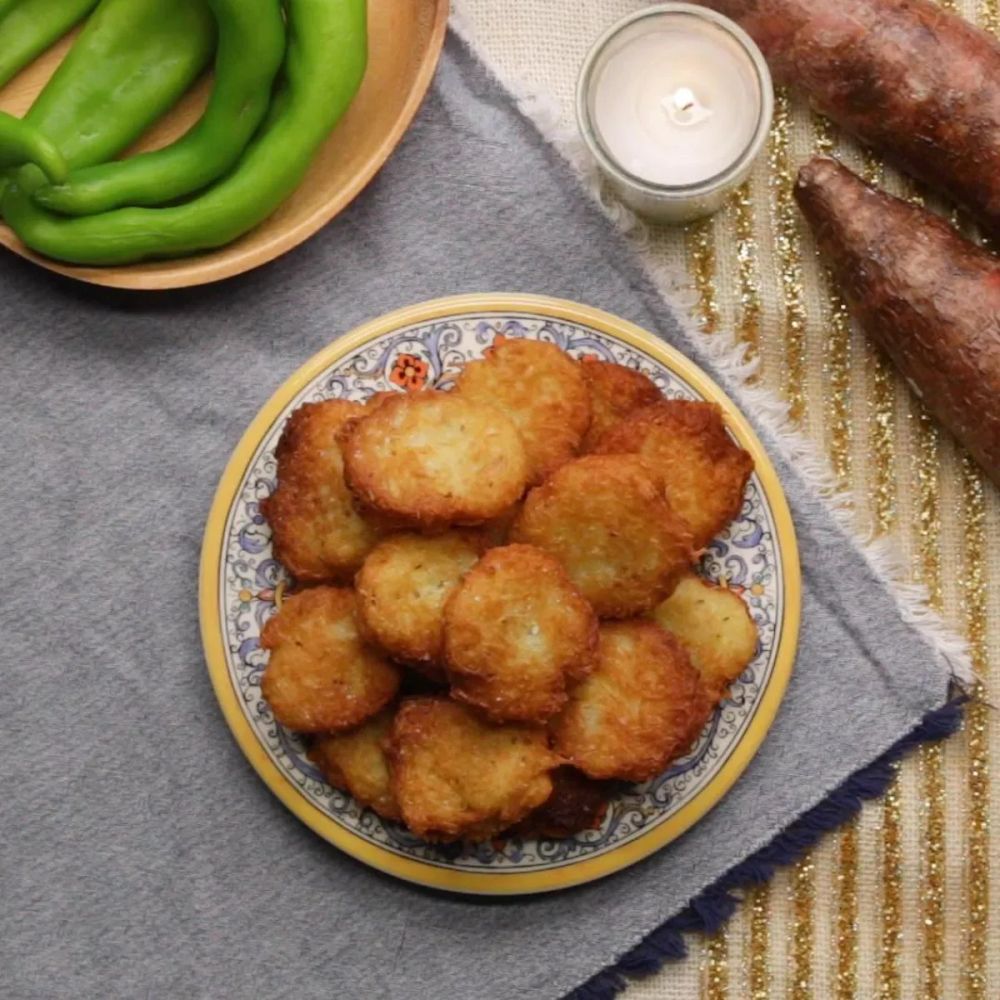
[675,102]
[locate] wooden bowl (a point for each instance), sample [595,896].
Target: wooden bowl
[405,43]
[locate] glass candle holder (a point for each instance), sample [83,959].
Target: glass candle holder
[675,103]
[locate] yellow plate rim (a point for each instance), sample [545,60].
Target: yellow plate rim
[486,883]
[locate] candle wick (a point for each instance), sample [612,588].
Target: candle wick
[684,108]
[684,99]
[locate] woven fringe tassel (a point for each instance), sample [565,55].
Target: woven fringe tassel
[708,911]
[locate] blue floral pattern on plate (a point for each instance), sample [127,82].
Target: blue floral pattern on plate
[250,579]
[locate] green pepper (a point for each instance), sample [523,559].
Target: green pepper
[22,143]
[327,53]
[29,27]
[251,48]
[131,63]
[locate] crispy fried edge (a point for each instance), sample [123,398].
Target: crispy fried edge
[717,685]
[468,680]
[610,607]
[577,803]
[615,391]
[576,419]
[337,777]
[288,483]
[426,661]
[272,636]
[435,512]
[475,829]
[699,419]
[646,766]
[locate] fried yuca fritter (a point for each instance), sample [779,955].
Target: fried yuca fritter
[714,626]
[457,776]
[434,458]
[321,676]
[605,519]
[577,803]
[543,392]
[318,531]
[402,588]
[705,472]
[641,708]
[355,761]
[615,391]
[516,630]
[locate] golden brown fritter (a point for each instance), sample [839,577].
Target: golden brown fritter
[615,391]
[577,803]
[705,472]
[516,630]
[435,458]
[714,626]
[319,533]
[543,392]
[639,710]
[356,762]
[402,589]
[321,676]
[457,776]
[605,519]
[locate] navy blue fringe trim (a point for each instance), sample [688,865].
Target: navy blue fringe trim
[708,911]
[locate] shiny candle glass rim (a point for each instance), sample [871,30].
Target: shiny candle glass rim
[604,157]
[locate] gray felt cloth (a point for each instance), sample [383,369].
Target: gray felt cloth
[140,856]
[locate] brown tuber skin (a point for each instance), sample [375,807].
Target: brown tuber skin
[918,84]
[929,298]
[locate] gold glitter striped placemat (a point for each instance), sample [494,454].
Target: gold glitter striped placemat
[902,902]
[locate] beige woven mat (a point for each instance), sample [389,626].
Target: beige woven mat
[904,902]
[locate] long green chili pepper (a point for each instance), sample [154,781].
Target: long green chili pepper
[22,143]
[326,60]
[29,27]
[251,49]
[131,63]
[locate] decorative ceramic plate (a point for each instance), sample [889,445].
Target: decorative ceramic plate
[426,345]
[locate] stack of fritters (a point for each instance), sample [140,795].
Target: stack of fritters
[495,619]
